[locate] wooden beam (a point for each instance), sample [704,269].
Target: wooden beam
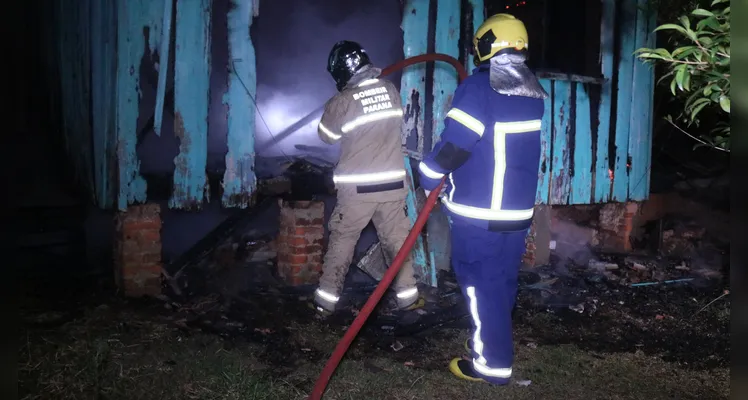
[163,66]
[581,181]
[546,137]
[239,180]
[415,27]
[602,178]
[191,99]
[561,152]
[103,83]
[640,140]
[624,93]
[134,18]
[479,15]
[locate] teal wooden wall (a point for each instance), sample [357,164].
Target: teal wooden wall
[597,149]
[98,50]
[596,132]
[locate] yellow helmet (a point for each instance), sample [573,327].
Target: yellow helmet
[499,32]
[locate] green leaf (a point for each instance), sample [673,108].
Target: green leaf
[680,75]
[697,109]
[685,21]
[666,27]
[702,12]
[724,102]
[708,23]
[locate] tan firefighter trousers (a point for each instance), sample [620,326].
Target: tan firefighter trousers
[348,219]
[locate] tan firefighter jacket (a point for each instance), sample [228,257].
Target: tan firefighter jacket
[366,117]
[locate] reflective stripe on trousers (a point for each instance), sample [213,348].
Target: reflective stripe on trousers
[376,177]
[486,265]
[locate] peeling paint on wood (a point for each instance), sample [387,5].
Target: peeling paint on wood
[479,15]
[445,77]
[640,139]
[191,99]
[239,181]
[581,181]
[103,24]
[627,19]
[448,15]
[415,27]
[138,32]
[163,66]
[607,47]
[561,152]
[544,169]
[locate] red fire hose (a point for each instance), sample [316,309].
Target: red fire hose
[350,334]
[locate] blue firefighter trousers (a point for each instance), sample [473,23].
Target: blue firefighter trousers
[486,265]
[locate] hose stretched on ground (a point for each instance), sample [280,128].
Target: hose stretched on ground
[350,334]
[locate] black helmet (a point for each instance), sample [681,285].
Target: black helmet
[346,58]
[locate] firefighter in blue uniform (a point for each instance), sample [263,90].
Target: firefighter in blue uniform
[490,153]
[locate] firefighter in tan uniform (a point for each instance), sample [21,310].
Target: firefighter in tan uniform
[366,118]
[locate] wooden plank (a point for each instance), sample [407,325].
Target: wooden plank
[627,20]
[651,43]
[103,24]
[581,181]
[479,15]
[191,99]
[163,66]
[413,81]
[641,114]
[446,37]
[239,180]
[561,153]
[602,180]
[445,77]
[546,135]
[134,18]
[415,27]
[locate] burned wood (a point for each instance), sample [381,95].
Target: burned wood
[206,246]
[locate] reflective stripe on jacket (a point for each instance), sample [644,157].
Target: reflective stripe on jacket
[490,151]
[366,118]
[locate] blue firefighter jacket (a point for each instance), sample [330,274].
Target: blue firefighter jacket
[490,152]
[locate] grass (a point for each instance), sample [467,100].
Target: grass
[110,354]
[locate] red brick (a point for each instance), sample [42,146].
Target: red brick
[151,258]
[297,259]
[306,230]
[298,241]
[137,250]
[133,227]
[150,236]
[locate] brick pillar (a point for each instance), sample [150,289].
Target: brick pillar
[617,225]
[137,250]
[300,241]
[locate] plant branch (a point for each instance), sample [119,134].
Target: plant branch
[695,138]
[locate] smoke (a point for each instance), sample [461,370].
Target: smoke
[293,39]
[574,244]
